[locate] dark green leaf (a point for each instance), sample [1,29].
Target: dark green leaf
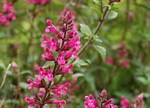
[101,50]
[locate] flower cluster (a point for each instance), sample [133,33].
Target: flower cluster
[7,14]
[121,57]
[59,48]
[90,101]
[136,103]
[42,2]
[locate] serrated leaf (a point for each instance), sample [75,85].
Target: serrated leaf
[85,29]
[101,50]
[112,15]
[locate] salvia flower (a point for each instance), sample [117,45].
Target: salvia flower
[63,44]
[7,14]
[121,59]
[90,101]
[136,103]
[125,102]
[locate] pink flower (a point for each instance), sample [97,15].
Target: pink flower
[90,102]
[35,68]
[58,48]
[136,103]
[41,92]
[125,102]
[48,55]
[130,16]
[7,6]
[44,73]
[50,75]
[14,66]
[52,29]
[125,63]
[35,84]
[67,69]
[61,89]
[52,44]
[61,60]
[59,102]
[139,101]
[109,60]
[30,101]
[7,14]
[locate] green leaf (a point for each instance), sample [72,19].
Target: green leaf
[85,29]
[91,81]
[2,65]
[96,1]
[144,6]
[47,64]
[80,62]
[77,75]
[26,72]
[112,15]
[23,85]
[142,80]
[101,50]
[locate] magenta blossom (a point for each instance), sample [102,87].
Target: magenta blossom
[125,102]
[121,59]
[59,47]
[109,60]
[136,103]
[7,14]
[90,101]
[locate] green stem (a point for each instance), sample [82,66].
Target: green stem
[126,21]
[4,78]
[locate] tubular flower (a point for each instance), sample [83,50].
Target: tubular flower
[122,54]
[7,14]
[62,45]
[90,101]
[136,103]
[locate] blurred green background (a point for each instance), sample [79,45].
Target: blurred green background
[20,43]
